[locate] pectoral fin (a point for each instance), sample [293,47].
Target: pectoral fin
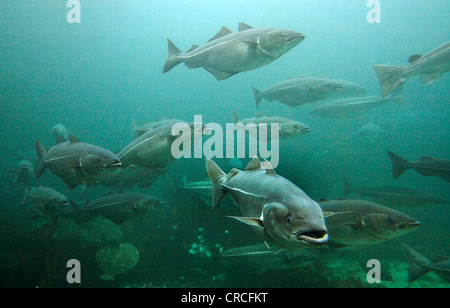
[430,78]
[251,221]
[220,75]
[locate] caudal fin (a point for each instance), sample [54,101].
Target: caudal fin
[416,264]
[40,151]
[399,164]
[217,177]
[172,59]
[258,96]
[391,78]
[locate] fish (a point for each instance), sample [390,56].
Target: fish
[46,200]
[60,130]
[118,207]
[420,265]
[227,53]
[140,130]
[287,128]
[372,132]
[426,166]
[280,212]
[75,162]
[395,196]
[356,223]
[23,173]
[200,191]
[351,107]
[430,67]
[115,260]
[153,149]
[263,259]
[132,176]
[297,91]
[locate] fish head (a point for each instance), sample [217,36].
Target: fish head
[295,223]
[61,201]
[144,204]
[387,226]
[277,42]
[95,163]
[60,130]
[292,130]
[350,89]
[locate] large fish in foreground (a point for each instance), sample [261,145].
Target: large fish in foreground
[305,90]
[228,53]
[75,162]
[430,67]
[426,166]
[281,213]
[355,223]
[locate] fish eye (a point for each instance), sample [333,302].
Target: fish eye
[289,218]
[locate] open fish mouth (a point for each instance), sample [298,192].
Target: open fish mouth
[294,37]
[305,130]
[312,237]
[114,165]
[410,225]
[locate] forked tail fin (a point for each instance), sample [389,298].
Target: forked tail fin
[399,164]
[416,268]
[391,78]
[258,96]
[172,59]
[217,177]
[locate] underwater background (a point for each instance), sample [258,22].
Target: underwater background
[101,75]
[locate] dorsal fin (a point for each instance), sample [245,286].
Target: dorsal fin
[224,31]
[243,27]
[254,164]
[414,58]
[269,169]
[73,139]
[61,139]
[193,47]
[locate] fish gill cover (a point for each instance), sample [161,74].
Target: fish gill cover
[345,82]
